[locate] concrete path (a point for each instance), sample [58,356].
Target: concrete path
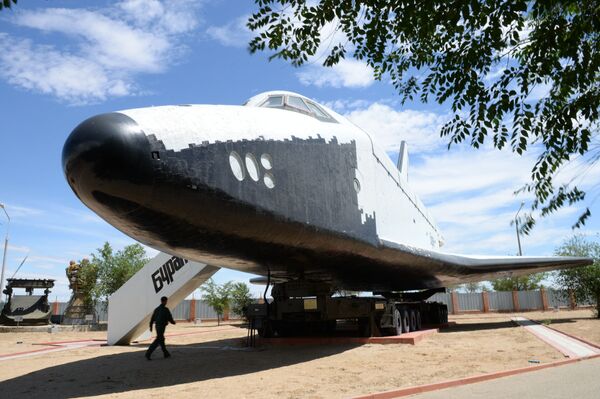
[53,347]
[578,380]
[83,343]
[568,346]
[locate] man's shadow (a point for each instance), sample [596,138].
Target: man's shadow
[130,371]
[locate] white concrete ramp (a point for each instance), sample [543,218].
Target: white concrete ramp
[131,306]
[568,346]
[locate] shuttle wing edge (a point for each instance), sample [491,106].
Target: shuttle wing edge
[470,267]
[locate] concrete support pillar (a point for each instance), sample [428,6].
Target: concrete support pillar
[192,315]
[572,302]
[455,307]
[544,296]
[486,301]
[516,305]
[131,305]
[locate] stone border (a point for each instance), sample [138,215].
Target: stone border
[396,393]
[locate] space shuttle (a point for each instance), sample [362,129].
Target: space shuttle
[282,187]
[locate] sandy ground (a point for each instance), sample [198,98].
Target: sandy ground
[211,362]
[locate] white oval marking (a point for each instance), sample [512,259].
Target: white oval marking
[235,162]
[266,161]
[252,167]
[269,180]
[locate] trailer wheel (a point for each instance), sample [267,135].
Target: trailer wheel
[412,320]
[397,322]
[418,319]
[265,330]
[405,321]
[364,327]
[330,326]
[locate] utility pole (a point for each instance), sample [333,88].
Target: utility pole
[5,247]
[517,228]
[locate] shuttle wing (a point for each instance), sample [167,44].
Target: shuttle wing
[451,269]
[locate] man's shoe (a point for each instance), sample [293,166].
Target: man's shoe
[147,356]
[167,355]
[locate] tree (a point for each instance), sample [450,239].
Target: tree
[88,281]
[521,283]
[217,296]
[473,287]
[483,58]
[7,3]
[240,298]
[584,282]
[115,268]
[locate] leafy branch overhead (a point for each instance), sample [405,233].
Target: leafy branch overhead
[486,59]
[7,3]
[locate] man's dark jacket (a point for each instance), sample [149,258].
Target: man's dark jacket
[161,316]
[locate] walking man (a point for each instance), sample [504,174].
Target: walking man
[161,317]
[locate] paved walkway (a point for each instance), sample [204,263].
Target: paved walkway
[83,343]
[568,346]
[52,347]
[579,380]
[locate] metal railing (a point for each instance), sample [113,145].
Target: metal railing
[508,301]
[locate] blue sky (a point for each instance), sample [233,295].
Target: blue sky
[64,61]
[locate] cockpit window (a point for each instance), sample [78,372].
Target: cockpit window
[297,104]
[273,101]
[317,111]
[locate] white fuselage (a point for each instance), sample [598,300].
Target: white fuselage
[383,192]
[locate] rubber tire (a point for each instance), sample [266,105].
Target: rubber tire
[330,327]
[412,320]
[418,319]
[405,321]
[364,327]
[398,319]
[265,331]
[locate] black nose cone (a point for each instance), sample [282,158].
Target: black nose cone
[108,163]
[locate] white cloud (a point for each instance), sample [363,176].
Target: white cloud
[234,34]
[469,192]
[18,248]
[539,91]
[461,170]
[43,260]
[104,50]
[43,69]
[420,129]
[346,73]
[346,105]
[176,17]
[18,211]
[111,43]
[349,73]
